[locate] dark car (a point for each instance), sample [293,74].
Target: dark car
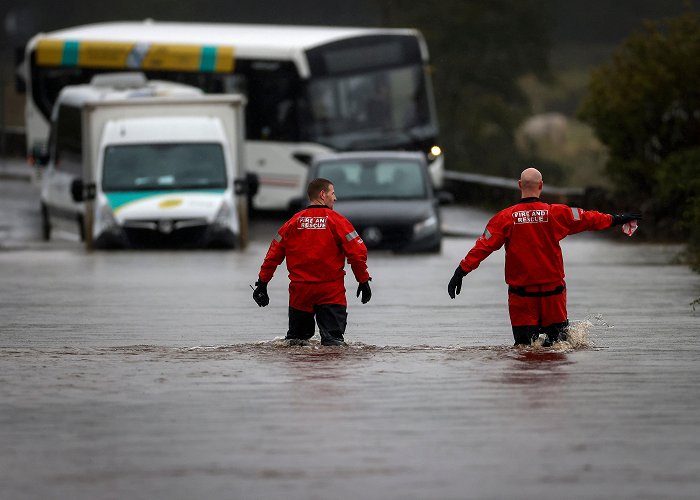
[387,196]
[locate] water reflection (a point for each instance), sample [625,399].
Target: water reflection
[535,366]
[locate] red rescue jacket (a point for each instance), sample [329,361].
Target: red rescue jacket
[531,231]
[316,242]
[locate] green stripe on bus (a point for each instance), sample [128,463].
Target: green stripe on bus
[208,60]
[70,53]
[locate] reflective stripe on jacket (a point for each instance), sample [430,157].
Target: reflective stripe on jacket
[315,243]
[531,231]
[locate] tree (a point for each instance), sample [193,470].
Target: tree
[478,50]
[645,106]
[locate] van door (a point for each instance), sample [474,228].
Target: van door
[65,165]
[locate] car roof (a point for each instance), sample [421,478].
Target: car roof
[371,155]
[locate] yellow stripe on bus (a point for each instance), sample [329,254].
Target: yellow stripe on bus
[104,54]
[49,52]
[224,60]
[131,55]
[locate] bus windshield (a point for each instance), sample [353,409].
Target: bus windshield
[149,167]
[386,109]
[370,93]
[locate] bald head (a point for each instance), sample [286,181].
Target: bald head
[530,182]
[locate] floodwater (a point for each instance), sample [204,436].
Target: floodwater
[148,375]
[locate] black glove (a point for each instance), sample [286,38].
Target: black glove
[260,295]
[364,289]
[619,219]
[455,284]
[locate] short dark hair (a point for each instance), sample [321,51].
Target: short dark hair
[316,186]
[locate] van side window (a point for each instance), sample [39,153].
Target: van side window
[69,140]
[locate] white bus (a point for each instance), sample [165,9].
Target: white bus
[310,90]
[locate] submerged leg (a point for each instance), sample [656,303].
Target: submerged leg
[525,335]
[557,332]
[301,325]
[332,320]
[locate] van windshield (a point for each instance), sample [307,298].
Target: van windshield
[148,167]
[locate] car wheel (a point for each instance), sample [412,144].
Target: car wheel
[45,223]
[436,248]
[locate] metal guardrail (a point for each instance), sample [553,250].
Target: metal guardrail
[493,191]
[506,183]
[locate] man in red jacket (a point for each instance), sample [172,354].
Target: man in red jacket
[534,271]
[316,242]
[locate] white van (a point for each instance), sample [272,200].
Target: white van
[145,164]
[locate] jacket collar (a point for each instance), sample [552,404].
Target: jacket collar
[531,199]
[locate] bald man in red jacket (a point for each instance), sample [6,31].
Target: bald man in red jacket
[316,242]
[534,271]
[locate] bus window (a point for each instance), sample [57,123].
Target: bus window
[272,89]
[48,82]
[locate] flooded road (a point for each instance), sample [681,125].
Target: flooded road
[150,375]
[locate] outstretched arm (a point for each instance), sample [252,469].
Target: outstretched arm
[624,218]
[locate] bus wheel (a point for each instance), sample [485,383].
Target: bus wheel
[45,224]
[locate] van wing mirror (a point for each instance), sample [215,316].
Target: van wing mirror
[248,185]
[81,192]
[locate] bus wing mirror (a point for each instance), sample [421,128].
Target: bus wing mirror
[253,183]
[304,158]
[40,156]
[445,198]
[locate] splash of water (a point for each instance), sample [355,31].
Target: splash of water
[579,333]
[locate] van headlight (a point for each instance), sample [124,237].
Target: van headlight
[224,216]
[426,226]
[104,219]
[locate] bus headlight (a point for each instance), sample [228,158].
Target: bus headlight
[426,226]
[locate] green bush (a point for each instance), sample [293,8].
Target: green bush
[645,107]
[678,198]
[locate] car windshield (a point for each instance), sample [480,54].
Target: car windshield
[140,167]
[375,179]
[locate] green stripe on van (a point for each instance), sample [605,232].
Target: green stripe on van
[118,199]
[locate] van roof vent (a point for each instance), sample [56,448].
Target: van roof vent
[120,81]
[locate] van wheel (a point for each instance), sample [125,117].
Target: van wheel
[45,223]
[81,227]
